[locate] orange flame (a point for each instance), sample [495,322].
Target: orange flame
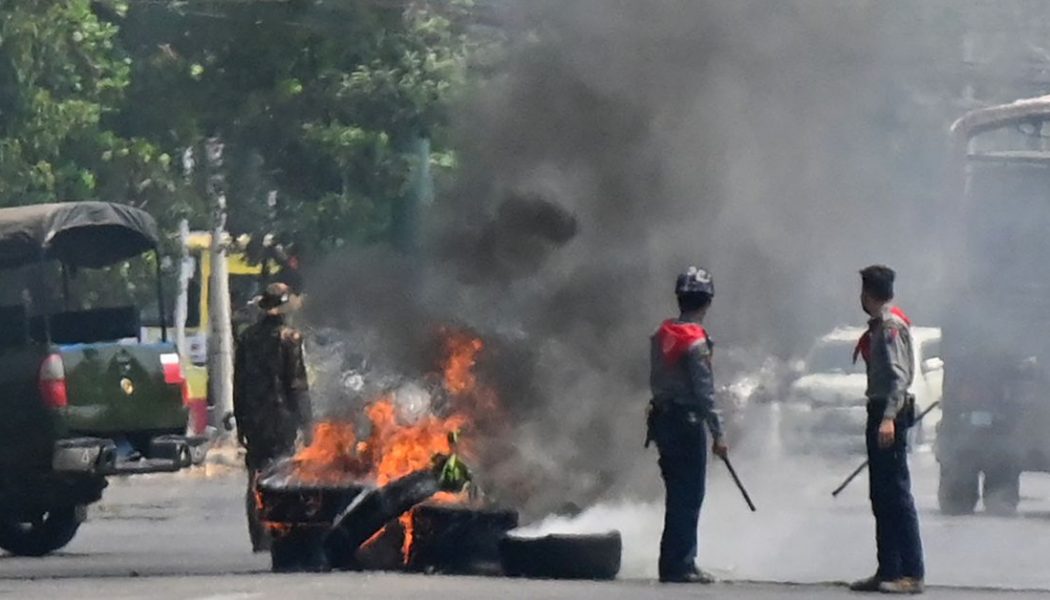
[461,351]
[333,452]
[399,450]
[408,526]
[394,449]
[469,397]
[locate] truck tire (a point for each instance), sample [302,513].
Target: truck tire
[957,492]
[562,556]
[1002,491]
[50,530]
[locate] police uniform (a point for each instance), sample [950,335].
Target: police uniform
[271,397]
[683,403]
[887,350]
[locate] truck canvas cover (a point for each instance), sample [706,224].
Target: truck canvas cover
[79,234]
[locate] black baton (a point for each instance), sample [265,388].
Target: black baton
[864,464]
[739,484]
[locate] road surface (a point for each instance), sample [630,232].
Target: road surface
[183,536]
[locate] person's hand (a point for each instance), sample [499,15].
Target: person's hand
[887,433]
[719,448]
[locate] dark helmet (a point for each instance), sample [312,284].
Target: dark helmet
[694,281]
[275,296]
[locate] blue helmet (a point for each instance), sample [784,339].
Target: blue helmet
[694,281]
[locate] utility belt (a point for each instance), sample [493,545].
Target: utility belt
[906,414]
[664,409]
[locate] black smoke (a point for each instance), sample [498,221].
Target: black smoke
[779,143]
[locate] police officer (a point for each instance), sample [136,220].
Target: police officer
[887,349]
[683,403]
[271,400]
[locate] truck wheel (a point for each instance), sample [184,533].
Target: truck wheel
[957,490]
[1002,491]
[42,534]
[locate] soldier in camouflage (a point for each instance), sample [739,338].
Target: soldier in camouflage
[271,401]
[683,403]
[887,349]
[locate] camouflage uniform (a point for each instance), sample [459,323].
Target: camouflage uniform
[887,350]
[270,400]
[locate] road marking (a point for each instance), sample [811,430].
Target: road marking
[234,596]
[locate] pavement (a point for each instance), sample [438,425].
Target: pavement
[385,586]
[182,536]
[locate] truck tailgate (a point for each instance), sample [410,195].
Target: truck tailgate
[122,388]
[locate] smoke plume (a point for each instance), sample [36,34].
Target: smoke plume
[777,143]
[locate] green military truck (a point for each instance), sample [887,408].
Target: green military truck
[996,346]
[82,396]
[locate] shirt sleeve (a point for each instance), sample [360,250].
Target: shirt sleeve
[893,348]
[698,361]
[295,365]
[297,389]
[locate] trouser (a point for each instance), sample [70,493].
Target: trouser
[257,532]
[896,521]
[256,461]
[683,466]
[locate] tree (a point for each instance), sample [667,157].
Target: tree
[321,105]
[62,74]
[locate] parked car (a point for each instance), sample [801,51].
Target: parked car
[82,396]
[825,406]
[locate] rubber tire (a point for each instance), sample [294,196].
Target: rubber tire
[1002,491]
[594,556]
[458,539]
[57,528]
[957,492]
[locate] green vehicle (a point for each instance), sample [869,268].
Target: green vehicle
[82,396]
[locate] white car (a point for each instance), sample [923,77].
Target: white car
[825,406]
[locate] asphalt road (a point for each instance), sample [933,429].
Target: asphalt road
[389,586]
[183,536]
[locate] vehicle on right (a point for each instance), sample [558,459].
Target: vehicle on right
[996,326]
[825,406]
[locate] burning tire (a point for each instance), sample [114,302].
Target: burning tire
[562,556]
[299,549]
[41,533]
[458,539]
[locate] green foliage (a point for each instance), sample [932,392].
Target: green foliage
[62,74]
[321,102]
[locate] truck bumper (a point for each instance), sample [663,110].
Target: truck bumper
[98,456]
[84,455]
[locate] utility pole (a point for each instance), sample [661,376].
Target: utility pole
[186,271]
[186,268]
[220,347]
